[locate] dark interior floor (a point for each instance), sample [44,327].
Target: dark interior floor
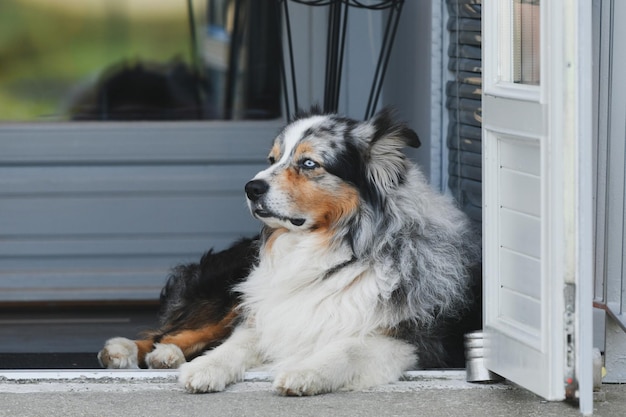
[66,338]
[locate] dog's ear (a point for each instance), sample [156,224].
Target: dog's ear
[387,165]
[386,129]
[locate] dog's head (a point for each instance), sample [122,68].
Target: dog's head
[323,168]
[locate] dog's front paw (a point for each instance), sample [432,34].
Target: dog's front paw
[165,356]
[119,353]
[204,374]
[299,383]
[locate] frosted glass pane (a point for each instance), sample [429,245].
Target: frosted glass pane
[526,35]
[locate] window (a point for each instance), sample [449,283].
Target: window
[526,35]
[138,60]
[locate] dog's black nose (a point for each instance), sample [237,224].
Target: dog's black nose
[256,188]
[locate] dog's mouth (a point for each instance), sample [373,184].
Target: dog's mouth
[265,214]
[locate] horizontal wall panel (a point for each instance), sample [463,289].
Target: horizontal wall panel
[464,171]
[467,25]
[520,155]
[464,51]
[109,246]
[468,77]
[106,292]
[114,215]
[472,118]
[103,211]
[93,279]
[464,64]
[520,232]
[456,89]
[519,309]
[466,158]
[119,264]
[142,279]
[136,142]
[520,191]
[38,268]
[520,273]
[466,144]
[123,179]
[463,104]
[470,132]
[468,8]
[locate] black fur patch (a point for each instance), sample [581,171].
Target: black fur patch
[200,293]
[349,165]
[385,124]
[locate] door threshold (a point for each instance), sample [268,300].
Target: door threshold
[143,380]
[37,375]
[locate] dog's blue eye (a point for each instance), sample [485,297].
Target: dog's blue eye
[308,164]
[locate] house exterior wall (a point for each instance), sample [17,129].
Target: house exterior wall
[103,212]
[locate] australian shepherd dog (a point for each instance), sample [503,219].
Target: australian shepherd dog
[361,272]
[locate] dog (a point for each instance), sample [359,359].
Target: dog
[361,271]
[359,262]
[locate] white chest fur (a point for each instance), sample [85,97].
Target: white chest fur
[296,308]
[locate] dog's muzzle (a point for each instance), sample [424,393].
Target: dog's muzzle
[255,189]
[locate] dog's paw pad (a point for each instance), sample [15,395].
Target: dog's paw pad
[165,356]
[119,353]
[299,383]
[204,375]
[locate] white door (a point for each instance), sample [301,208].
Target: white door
[537,211]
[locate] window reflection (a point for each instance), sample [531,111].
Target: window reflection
[138,60]
[526,47]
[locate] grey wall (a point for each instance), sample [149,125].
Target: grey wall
[102,211]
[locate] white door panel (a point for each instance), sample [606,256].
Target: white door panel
[513,251]
[536,195]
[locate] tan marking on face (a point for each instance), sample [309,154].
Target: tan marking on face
[303,149]
[329,207]
[324,204]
